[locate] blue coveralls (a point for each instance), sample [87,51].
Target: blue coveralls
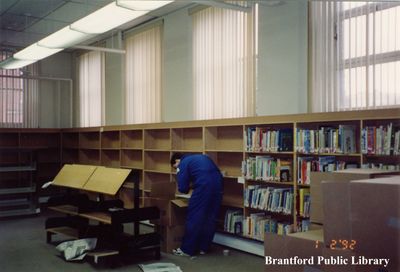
[204,203]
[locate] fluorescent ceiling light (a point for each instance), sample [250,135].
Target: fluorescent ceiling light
[105,19]
[12,63]
[36,52]
[63,38]
[142,5]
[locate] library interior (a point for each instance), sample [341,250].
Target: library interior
[174,135]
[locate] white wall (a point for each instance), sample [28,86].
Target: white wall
[178,95]
[282,66]
[114,85]
[282,70]
[54,104]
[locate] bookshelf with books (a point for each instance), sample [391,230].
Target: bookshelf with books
[380,144]
[297,144]
[326,146]
[268,173]
[224,145]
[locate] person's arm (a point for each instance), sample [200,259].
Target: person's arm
[183,176]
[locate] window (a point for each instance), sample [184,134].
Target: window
[18,96]
[356,55]
[223,62]
[143,76]
[91,89]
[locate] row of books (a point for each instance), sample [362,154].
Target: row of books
[382,140]
[233,221]
[381,166]
[266,168]
[257,224]
[303,225]
[306,165]
[260,139]
[278,200]
[340,140]
[304,202]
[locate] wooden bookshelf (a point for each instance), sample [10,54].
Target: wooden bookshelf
[132,139]
[70,140]
[157,139]
[110,140]
[157,161]
[187,139]
[28,159]
[89,140]
[147,148]
[110,157]
[224,138]
[132,158]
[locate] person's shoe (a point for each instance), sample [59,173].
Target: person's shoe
[179,252]
[202,252]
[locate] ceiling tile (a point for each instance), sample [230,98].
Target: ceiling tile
[6,4]
[16,22]
[46,26]
[98,3]
[71,12]
[21,39]
[35,8]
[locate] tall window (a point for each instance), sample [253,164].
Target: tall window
[19,96]
[355,55]
[143,76]
[91,89]
[223,62]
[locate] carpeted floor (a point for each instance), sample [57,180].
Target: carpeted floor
[23,248]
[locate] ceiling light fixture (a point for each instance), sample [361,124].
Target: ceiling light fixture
[104,19]
[141,5]
[12,63]
[64,38]
[36,52]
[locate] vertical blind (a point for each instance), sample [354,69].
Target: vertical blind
[223,63]
[355,55]
[143,76]
[19,97]
[91,89]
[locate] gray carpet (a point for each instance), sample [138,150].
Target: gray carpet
[23,247]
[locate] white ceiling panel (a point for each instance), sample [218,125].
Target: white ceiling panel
[46,27]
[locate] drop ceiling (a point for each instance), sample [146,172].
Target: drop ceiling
[23,22]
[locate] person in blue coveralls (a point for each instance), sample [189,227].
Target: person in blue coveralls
[204,203]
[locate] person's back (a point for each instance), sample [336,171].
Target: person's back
[204,202]
[200,167]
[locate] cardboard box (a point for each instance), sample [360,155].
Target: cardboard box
[333,259]
[347,175]
[336,208]
[375,220]
[172,211]
[305,245]
[171,237]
